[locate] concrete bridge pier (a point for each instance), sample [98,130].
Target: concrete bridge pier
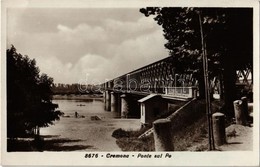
[124,106]
[114,102]
[104,99]
[118,96]
[108,101]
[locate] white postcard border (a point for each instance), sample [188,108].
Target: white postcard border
[243,158]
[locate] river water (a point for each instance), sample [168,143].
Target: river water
[83,133]
[85,108]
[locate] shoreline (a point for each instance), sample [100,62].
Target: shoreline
[77,97]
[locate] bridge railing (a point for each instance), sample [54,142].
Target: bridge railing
[182,92]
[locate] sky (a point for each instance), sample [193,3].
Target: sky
[85,45]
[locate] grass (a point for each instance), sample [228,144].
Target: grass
[182,139]
[129,141]
[120,133]
[50,144]
[19,145]
[191,136]
[189,128]
[135,144]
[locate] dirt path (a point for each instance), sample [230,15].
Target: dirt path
[81,134]
[238,138]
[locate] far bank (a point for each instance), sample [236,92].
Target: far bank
[77,97]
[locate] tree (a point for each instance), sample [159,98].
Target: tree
[228,40]
[29,96]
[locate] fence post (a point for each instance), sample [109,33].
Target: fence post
[239,113]
[163,135]
[219,131]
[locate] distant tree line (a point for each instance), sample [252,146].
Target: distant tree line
[77,89]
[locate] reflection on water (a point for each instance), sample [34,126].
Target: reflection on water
[85,107]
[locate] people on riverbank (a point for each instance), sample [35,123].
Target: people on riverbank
[76,114]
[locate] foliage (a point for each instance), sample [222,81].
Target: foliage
[227,35]
[135,144]
[29,96]
[119,133]
[129,141]
[220,27]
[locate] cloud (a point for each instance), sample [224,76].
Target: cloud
[63,28]
[135,53]
[90,68]
[92,51]
[82,33]
[127,29]
[128,56]
[87,69]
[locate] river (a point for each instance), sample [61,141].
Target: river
[86,108]
[83,133]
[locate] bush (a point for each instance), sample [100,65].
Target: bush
[135,144]
[129,141]
[120,133]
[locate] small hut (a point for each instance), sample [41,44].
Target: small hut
[152,106]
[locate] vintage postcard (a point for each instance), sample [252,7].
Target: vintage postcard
[130,83]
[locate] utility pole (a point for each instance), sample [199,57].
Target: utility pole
[207,89]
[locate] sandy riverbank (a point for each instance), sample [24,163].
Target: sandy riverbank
[83,134]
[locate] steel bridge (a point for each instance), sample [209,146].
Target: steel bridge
[152,87]
[159,77]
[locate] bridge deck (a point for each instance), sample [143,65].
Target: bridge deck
[172,93]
